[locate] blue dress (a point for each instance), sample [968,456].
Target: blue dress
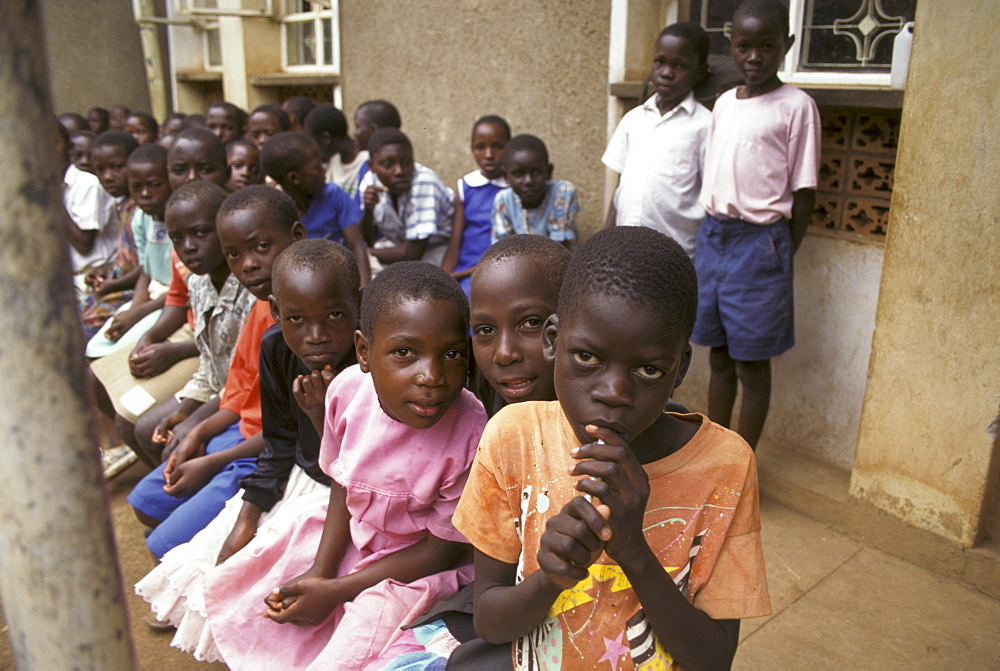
[477,193]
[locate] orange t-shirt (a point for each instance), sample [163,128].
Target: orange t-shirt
[177,292]
[242,392]
[702,522]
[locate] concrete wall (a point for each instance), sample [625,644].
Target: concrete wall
[925,448]
[94,56]
[542,66]
[819,385]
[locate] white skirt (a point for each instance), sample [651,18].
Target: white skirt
[174,589]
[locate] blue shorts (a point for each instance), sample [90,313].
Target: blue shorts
[182,517]
[745,300]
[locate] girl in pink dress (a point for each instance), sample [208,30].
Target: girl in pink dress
[328,586]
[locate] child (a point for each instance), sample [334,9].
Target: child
[89,210]
[658,147]
[293,161]
[226,120]
[473,226]
[243,158]
[204,468]
[197,155]
[399,436]
[265,122]
[142,127]
[327,125]
[117,116]
[81,144]
[758,204]
[316,290]
[172,125]
[533,203]
[73,122]
[407,207]
[297,108]
[97,119]
[665,558]
[368,118]
[193,121]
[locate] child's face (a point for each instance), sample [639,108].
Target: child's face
[116,118]
[261,126]
[488,140]
[616,365]
[510,303]
[191,160]
[172,126]
[310,179]
[244,167]
[251,242]
[137,128]
[527,172]
[418,358]
[675,70]
[150,187]
[97,122]
[317,314]
[758,48]
[79,153]
[110,166]
[393,164]
[224,124]
[191,228]
[364,128]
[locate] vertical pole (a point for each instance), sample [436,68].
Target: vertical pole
[62,589]
[150,40]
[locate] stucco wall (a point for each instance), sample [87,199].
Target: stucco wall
[924,447]
[542,66]
[94,55]
[819,385]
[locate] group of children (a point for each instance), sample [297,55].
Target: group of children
[407,414]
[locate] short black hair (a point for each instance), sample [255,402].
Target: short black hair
[101,112]
[205,193]
[148,154]
[318,254]
[300,106]
[383,113]
[83,133]
[495,120]
[326,118]
[638,265]
[76,118]
[283,153]
[284,123]
[409,281]
[549,257]
[775,10]
[529,142]
[200,134]
[278,204]
[241,142]
[193,121]
[148,120]
[116,138]
[124,109]
[229,108]
[694,34]
[387,136]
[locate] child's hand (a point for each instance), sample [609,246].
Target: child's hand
[617,479]
[370,199]
[189,477]
[573,540]
[152,360]
[163,434]
[189,447]
[96,277]
[305,601]
[121,323]
[238,538]
[310,391]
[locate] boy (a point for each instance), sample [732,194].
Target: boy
[297,108]
[81,144]
[368,118]
[89,210]
[265,122]
[658,147]
[407,207]
[327,125]
[117,116]
[243,158]
[534,203]
[226,120]
[197,155]
[203,471]
[615,531]
[758,204]
[293,161]
[97,119]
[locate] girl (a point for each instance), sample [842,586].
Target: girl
[399,436]
[470,233]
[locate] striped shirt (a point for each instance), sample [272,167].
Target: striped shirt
[425,211]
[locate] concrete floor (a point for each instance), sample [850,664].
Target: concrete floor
[836,604]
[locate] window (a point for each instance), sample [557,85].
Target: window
[310,39]
[212,47]
[837,42]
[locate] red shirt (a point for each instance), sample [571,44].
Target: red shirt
[177,292]
[242,392]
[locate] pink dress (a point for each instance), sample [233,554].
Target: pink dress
[401,484]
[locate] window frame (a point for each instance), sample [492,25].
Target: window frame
[323,9]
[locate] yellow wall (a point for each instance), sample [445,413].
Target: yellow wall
[925,446]
[542,66]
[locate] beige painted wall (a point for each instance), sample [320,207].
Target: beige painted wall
[94,55]
[542,66]
[925,447]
